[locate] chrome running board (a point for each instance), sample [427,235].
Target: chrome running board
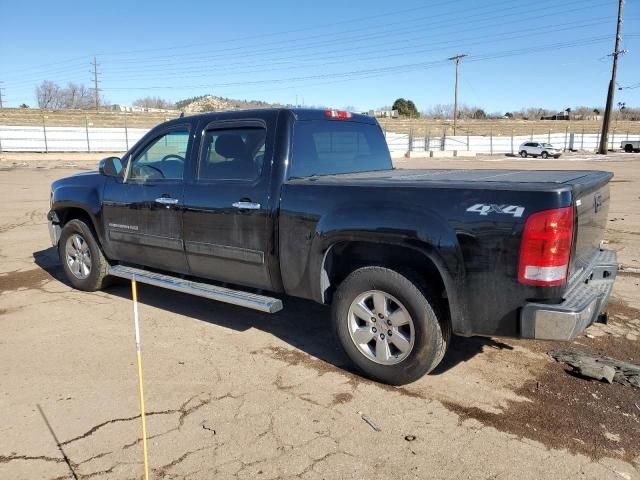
[205,290]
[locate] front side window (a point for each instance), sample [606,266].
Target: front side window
[323,147]
[232,154]
[163,158]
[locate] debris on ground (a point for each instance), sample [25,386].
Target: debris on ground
[371,423]
[599,367]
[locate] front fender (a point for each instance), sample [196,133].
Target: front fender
[86,197]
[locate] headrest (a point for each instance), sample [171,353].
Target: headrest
[230,146]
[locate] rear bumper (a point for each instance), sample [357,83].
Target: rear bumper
[585,298]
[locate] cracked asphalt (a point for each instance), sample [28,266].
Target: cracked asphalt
[233,393]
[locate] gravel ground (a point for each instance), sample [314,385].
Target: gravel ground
[233,393]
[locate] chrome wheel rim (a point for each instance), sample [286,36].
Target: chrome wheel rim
[78,256]
[380,327]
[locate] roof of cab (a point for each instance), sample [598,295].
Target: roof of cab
[298,114]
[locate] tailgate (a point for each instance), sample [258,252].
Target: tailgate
[592,207]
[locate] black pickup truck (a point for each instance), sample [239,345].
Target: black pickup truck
[232,206]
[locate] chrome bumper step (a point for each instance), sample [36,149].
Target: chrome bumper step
[205,290]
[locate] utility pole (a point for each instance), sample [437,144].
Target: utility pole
[457,59]
[607,111]
[95,83]
[1,89]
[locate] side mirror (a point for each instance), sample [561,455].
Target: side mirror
[110,167]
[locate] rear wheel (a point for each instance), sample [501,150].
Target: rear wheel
[523,154]
[388,325]
[82,260]
[628,148]
[544,155]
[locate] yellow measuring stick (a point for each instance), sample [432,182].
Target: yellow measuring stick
[134,292]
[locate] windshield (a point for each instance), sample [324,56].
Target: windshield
[322,147]
[547,145]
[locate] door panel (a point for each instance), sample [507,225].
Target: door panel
[143,215]
[228,229]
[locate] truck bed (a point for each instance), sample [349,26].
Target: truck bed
[577,181]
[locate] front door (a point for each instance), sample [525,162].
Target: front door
[228,230]
[143,213]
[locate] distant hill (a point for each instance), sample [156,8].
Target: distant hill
[211,103]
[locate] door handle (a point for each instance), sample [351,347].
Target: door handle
[167,200]
[246,205]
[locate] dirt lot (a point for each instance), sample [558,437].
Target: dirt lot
[233,393]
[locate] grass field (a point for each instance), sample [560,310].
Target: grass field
[75,118]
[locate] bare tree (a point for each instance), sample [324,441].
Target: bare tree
[154,102]
[75,96]
[48,95]
[439,111]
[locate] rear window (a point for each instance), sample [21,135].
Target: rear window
[322,147]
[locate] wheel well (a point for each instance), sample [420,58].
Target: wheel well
[65,215]
[344,258]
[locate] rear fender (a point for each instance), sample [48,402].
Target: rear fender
[405,226]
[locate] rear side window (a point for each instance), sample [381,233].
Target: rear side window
[322,147]
[232,154]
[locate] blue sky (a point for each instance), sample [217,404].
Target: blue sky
[360,53]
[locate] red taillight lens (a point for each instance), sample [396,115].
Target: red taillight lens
[546,247]
[339,114]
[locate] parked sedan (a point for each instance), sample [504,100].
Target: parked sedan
[535,149]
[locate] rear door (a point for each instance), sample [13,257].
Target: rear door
[536,149]
[228,226]
[142,214]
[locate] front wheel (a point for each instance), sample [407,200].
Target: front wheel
[83,262]
[628,148]
[545,155]
[523,154]
[388,326]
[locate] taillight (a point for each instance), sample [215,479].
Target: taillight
[339,114]
[546,247]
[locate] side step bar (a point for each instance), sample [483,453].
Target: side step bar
[212,292]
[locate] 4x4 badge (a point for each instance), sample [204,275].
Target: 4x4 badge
[486,209]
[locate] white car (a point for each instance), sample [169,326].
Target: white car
[535,149]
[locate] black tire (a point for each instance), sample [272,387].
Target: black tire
[544,155]
[97,278]
[523,154]
[432,329]
[628,148]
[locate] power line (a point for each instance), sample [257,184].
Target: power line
[369,46]
[457,59]
[394,69]
[359,53]
[604,135]
[280,33]
[296,45]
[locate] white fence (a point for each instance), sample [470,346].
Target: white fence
[496,144]
[90,139]
[68,139]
